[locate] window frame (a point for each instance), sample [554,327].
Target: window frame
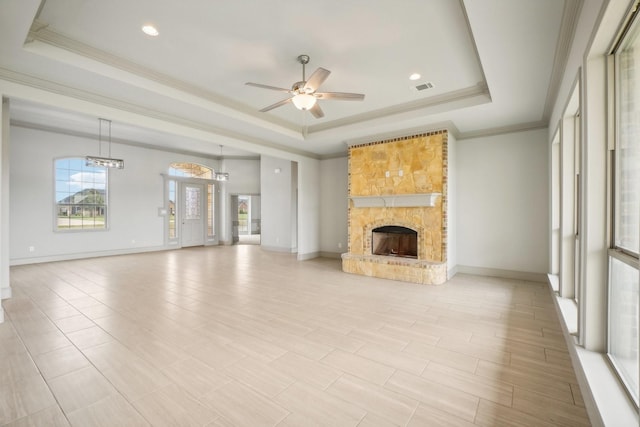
[620,254]
[106,204]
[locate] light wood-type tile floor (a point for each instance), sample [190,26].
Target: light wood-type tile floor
[237,336]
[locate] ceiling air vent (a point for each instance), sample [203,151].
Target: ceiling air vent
[424,86]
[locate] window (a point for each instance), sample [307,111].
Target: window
[210,206]
[624,302]
[623,322]
[81,195]
[172,209]
[190,170]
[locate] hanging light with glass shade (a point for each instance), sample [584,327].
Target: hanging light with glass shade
[221,176]
[106,162]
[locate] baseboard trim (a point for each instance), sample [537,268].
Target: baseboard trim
[308,256]
[452,272]
[504,274]
[68,257]
[277,249]
[332,255]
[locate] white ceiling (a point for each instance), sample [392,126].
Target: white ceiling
[494,65]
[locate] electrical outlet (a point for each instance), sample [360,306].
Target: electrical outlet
[340,245]
[32,248]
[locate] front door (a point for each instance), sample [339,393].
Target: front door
[192,206]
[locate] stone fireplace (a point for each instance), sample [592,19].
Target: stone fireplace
[397,209]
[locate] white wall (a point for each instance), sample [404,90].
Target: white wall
[275,190]
[334,206]
[502,202]
[244,175]
[135,194]
[5,140]
[294,206]
[308,208]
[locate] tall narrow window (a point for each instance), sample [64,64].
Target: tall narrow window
[210,207]
[171,209]
[624,300]
[81,195]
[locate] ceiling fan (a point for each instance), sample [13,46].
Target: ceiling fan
[303,93]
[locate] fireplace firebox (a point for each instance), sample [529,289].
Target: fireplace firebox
[394,240]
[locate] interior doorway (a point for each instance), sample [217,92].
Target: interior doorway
[246,225]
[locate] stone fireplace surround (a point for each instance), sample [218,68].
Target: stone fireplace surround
[400,182]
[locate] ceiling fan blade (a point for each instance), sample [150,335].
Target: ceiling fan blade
[316,79]
[276,105]
[279,89]
[339,95]
[317,111]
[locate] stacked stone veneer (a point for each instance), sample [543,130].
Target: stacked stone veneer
[415,165]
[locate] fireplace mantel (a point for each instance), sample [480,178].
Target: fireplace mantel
[396,201]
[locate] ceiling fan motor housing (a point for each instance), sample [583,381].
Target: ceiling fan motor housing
[298,87]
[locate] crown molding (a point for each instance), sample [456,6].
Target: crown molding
[44,41]
[92,136]
[569,23]
[449,126]
[522,127]
[463,8]
[465,97]
[90,97]
[340,155]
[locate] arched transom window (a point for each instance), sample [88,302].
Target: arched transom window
[190,170]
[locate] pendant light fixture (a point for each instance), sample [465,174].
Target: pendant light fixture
[106,162]
[221,176]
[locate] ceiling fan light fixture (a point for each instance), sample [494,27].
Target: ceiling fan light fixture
[304,101]
[304,94]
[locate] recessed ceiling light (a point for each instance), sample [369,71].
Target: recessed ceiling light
[414,76]
[150,30]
